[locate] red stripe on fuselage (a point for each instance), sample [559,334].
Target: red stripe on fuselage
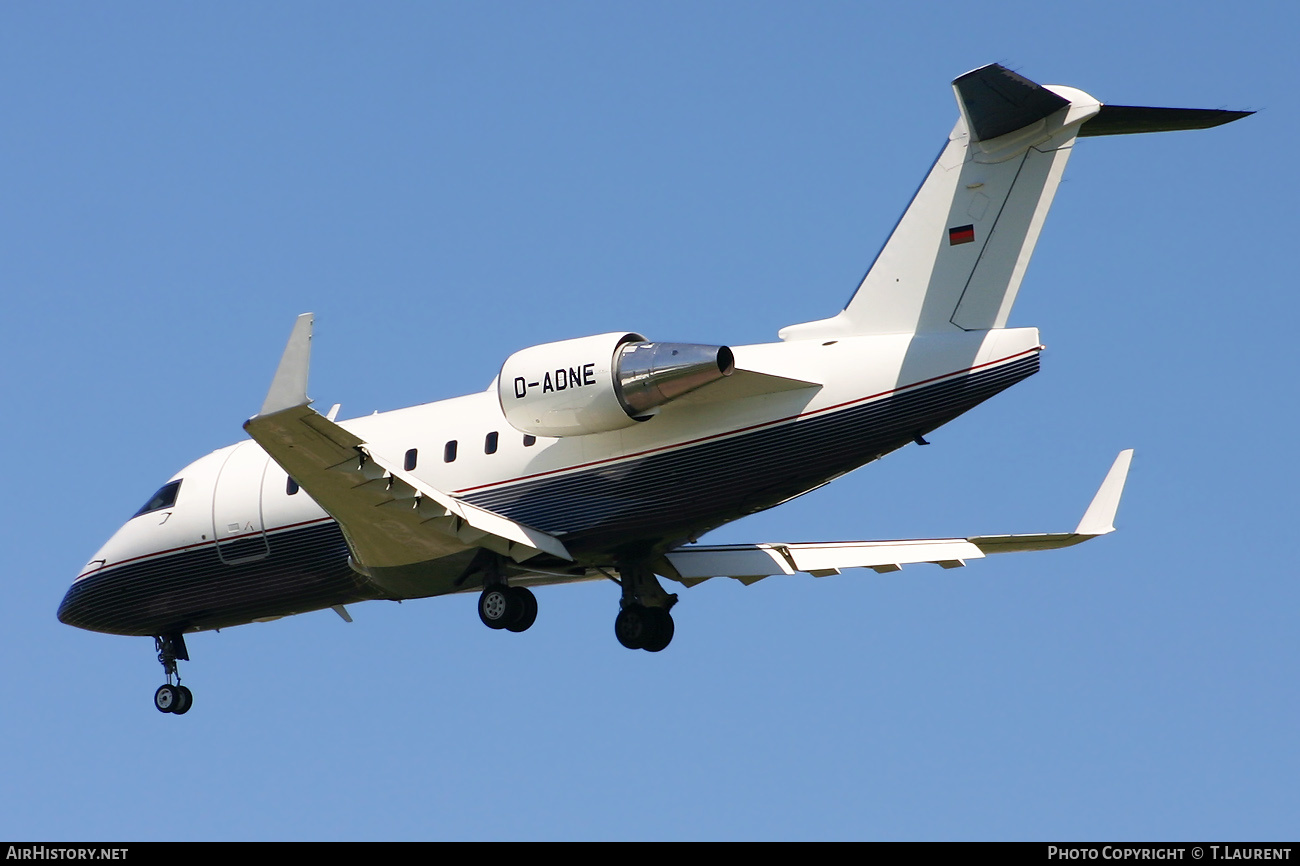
[195,546]
[825,409]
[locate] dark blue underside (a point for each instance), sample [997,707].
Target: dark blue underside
[306,569]
[624,507]
[677,494]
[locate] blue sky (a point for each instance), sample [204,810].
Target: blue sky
[443,184]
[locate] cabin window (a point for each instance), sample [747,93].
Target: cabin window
[164,498]
[412,457]
[290,486]
[449,452]
[490,443]
[529,441]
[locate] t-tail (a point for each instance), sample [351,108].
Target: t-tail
[956,258]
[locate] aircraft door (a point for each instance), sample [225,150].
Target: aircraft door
[237,506]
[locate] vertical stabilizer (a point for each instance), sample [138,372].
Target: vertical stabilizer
[957,256]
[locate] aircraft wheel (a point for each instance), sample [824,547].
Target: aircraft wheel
[634,626]
[499,607]
[661,631]
[167,698]
[528,608]
[184,702]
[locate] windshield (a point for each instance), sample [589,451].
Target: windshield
[164,498]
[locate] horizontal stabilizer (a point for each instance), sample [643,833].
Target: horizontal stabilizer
[1130,119]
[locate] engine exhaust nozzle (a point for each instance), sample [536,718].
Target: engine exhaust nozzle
[652,374]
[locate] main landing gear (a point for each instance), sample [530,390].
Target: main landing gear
[643,620]
[172,698]
[513,608]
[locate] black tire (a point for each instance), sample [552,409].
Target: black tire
[632,625]
[528,608]
[166,698]
[499,607]
[186,701]
[661,630]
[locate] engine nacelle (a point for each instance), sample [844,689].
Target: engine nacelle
[601,383]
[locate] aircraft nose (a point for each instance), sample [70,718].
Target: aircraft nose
[75,608]
[100,602]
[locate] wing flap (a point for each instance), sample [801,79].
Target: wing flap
[750,563]
[487,523]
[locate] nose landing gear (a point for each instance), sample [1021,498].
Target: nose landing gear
[172,698]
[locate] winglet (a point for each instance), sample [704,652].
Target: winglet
[1099,519]
[289,387]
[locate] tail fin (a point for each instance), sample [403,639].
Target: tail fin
[956,258]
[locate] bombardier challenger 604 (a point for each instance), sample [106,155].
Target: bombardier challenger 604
[607,457]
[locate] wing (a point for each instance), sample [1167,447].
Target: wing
[389,517]
[750,563]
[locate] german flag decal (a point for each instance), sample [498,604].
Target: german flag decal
[961,235]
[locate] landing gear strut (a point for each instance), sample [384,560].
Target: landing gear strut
[643,620]
[172,698]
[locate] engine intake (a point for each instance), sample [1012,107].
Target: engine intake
[601,383]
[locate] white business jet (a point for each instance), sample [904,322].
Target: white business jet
[607,457]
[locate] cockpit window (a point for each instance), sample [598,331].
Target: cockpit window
[164,498]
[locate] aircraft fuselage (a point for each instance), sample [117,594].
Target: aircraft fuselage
[240,544]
